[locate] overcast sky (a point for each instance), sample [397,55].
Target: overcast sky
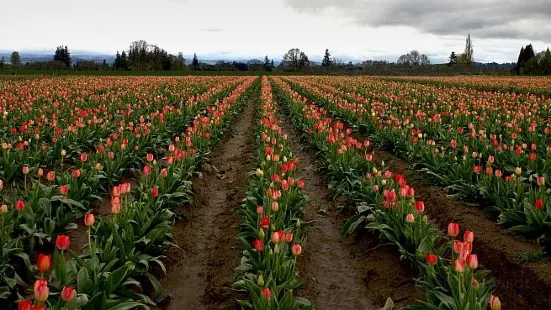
[351,29]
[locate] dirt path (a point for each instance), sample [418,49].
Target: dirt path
[343,272]
[518,285]
[200,276]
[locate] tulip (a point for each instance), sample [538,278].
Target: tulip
[68,293]
[275,178]
[63,153]
[259,209]
[300,183]
[19,205]
[25,170]
[431,259]
[518,170]
[538,204]
[3,209]
[275,206]
[147,170]
[154,192]
[459,266]
[41,290]
[25,305]
[62,242]
[76,173]
[164,172]
[258,245]
[468,247]
[275,237]
[453,229]
[83,157]
[541,181]
[89,219]
[472,261]
[40,172]
[266,293]
[98,166]
[265,222]
[44,263]
[419,206]
[149,157]
[495,303]
[474,284]
[50,176]
[63,190]
[116,191]
[468,236]
[458,247]
[296,249]
[410,218]
[288,237]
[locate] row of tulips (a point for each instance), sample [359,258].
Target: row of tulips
[271,219]
[468,153]
[449,271]
[114,245]
[45,116]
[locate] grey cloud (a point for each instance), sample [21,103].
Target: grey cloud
[514,19]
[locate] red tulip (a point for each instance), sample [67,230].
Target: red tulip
[116,191]
[266,293]
[275,237]
[296,249]
[472,261]
[62,242]
[453,229]
[258,245]
[76,173]
[275,178]
[25,169]
[458,246]
[50,176]
[83,157]
[477,169]
[419,206]
[41,290]
[265,222]
[44,263]
[19,205]
[147,170]
[149,157]
[259,209]
[164,172]
[432,259]
[459,266]
[538,204]
[154,192]
[300,183]
[288,237]
[24,305]
[64,190]
[68,293]
[468,247]
[89,219]
[40,172]
[541,181]
[495,303]
[468,236]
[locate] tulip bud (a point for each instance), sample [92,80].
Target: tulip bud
[266,293]
[419,206]
[472,261]
[41,290]
[459,266]
[64,190]
[19,205]
[259,209]
[296,249]
[261,233]
[50,176]
[44,263]
[260,280]
[275,206]
[453,229]
[68,293]
[25,170]
[410,218]
[259,172]
[62,242]
[431,259]
[89,219]
[63,153]
[495,303]
[518,170]
[474,284]
[288,237]
[3,209]
[40,172]
[258,245]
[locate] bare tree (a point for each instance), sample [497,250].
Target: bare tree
[295,60]
[413,58]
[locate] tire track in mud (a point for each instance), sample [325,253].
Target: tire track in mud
[343,272]
[199,276]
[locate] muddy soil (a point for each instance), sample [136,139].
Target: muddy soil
[200,273]
[518,285]
[343,272]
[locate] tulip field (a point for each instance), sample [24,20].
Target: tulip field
[450,176]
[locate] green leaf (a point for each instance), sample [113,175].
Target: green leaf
[351,224]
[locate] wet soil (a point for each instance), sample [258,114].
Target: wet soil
[344,272]
[200,272]
[518,285]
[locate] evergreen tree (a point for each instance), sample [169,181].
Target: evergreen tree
[469,50]
[327,62]
[272,64]
[527,62]
[117,63]
[62,54]
[2,62]
[195,62]
[124,61]
[545,64]
[267,66]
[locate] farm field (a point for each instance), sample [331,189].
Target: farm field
[280,192]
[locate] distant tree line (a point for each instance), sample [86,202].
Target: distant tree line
[142,56]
